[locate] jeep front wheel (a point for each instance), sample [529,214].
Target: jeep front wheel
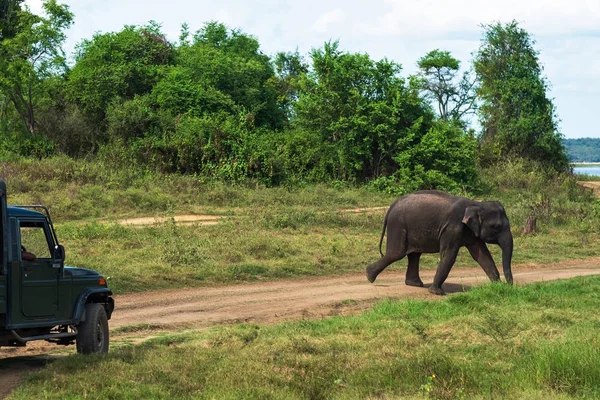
[92,335]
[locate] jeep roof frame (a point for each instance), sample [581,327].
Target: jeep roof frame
[46,213]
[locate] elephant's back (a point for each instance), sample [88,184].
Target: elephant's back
[427,209]
[430,199]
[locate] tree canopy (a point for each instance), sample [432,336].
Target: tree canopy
[518,118]
[31,53]
[583,150]
[213,104]
[455,97]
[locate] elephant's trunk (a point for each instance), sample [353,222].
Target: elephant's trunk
[506,244]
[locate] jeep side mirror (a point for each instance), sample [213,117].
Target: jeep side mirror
[59,252]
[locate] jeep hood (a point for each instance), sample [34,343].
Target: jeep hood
[75,271]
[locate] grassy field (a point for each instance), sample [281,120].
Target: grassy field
[540,341]
[493,342]
[267,233]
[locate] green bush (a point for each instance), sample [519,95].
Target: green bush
[444,159]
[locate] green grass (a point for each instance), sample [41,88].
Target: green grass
[540,341]
[583,165]
[587,177]
[79,190]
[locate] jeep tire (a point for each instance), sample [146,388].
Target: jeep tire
[92,335]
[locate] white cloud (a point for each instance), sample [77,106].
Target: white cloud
[35,6]
[429,18]
[332,17]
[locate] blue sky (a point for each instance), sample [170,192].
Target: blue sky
[567,33]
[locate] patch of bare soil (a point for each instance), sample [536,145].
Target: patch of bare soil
[207,220]
[594,185]
[178,219]
[364,210]
[13,371]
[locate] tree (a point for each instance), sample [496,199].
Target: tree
[455,98]
[359,109]
[517,117]
[31,52]
[118,66]
[290,69]
[443,159]
[221,71]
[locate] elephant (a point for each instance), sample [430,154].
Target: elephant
[432,221]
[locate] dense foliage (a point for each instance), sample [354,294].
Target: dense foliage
[518,118]
[583,150]
[214,105]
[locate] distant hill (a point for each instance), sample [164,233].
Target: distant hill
[582,150]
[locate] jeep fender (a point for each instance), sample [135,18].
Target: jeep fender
[93,295]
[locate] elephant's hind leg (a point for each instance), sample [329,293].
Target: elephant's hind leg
[412,272]
[395,249]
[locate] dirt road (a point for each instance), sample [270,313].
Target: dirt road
[274,302]
[594,185]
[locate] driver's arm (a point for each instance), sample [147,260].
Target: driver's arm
[27,256]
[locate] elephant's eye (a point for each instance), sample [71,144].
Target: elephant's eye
[497,227]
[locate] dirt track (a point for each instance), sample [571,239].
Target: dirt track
[274,302]
[594,185]
[206,219]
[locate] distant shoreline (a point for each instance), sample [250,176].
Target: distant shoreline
[585,164]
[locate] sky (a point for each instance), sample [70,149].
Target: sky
[567,33]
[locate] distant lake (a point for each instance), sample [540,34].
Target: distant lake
[595,170]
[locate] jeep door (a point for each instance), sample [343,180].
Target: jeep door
[39,277]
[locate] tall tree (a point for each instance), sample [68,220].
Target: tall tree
[221,70]
[32,52]
[455,96]
[290,69]
[117,65]
[517,117]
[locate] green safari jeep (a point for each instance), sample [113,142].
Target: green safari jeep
[40,297]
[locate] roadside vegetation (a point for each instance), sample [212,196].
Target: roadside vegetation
[587,177]
[537,342]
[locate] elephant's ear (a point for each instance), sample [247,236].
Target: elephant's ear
[471,219]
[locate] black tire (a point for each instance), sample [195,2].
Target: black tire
[92,334]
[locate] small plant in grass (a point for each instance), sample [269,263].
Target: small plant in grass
[502,329]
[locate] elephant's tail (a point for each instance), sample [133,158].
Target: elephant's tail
[383,233]
[385,223]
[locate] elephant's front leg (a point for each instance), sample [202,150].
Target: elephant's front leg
[481,254]
[447,259]
[412,272]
